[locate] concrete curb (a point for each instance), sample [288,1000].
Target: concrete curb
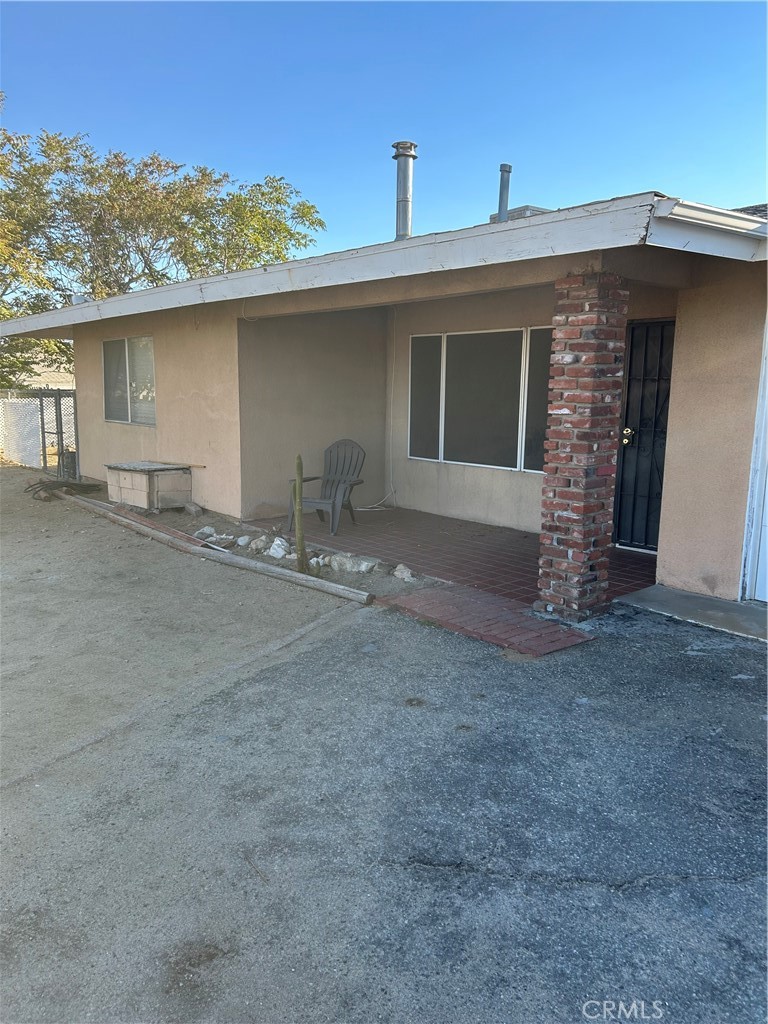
[191,547]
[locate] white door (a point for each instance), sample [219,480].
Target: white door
[761,561]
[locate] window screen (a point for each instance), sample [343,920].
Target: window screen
[426,356]
[129,380]
[141,373]
[115,381]
[537,397]
[482,398]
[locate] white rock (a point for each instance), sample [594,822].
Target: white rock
[292,557]
[193,509]
[316,562]
[403,572]
[280,548]
[205,532]
[260,543]
[243,542]
[351,563]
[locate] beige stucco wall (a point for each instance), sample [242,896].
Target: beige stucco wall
[715,374]
[498,496]
[241,398]
[649,302]
[197,409]
[306,381]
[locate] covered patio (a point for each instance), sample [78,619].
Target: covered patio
[494,559]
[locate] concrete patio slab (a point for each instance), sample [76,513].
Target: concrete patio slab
[743,618]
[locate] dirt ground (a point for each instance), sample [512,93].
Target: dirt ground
[231,800]
[96,618]
[380,582]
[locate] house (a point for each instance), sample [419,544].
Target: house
[437,353]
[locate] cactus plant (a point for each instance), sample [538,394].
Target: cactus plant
[302,563]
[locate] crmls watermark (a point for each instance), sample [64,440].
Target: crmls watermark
[619,1009]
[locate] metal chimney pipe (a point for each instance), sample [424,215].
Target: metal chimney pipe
[405,154]
[505,172]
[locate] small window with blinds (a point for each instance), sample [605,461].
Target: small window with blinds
[129,381]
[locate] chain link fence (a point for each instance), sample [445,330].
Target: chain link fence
[38,428]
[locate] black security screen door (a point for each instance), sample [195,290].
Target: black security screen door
[640,472]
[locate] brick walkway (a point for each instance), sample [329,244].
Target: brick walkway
[494,570]
[484,616]
[496,559]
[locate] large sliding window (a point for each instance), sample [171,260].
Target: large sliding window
[129,381]
[480,398]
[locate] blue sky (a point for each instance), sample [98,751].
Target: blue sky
[585,100]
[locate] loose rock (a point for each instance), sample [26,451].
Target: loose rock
[403,572]
[205,533]
[244,541]
[280,548]
[193,509]
[260,543]
[351,563]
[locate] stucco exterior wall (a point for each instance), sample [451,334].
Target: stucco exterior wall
[649,302]
[306,381]
[501,497]
[713,398]
[197,409]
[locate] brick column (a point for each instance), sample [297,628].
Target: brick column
[583,424]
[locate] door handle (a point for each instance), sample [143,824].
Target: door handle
[628,433]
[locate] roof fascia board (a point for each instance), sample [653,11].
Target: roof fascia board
[691,236]
[603,225]
[711,216]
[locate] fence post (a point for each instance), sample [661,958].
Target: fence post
[60,467]
[77,436]
[41,400]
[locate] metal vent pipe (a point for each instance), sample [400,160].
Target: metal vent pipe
[505,171]
[405,154]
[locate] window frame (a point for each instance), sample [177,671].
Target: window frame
[522,411]
[129,422]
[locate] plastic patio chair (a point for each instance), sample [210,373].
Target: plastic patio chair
[341,473]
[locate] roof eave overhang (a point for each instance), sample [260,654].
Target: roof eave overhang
[646,218]
[707,230]
[602,225]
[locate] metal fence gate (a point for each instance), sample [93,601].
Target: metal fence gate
[38,428]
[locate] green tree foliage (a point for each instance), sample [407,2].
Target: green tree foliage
[75,222]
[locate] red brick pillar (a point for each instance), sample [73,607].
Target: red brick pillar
[583,425]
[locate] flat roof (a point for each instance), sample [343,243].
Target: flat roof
[647,218]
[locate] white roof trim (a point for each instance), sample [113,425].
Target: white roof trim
[608,224]
[693,227]
[711,216]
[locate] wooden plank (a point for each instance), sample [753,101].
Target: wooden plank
[190,545]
